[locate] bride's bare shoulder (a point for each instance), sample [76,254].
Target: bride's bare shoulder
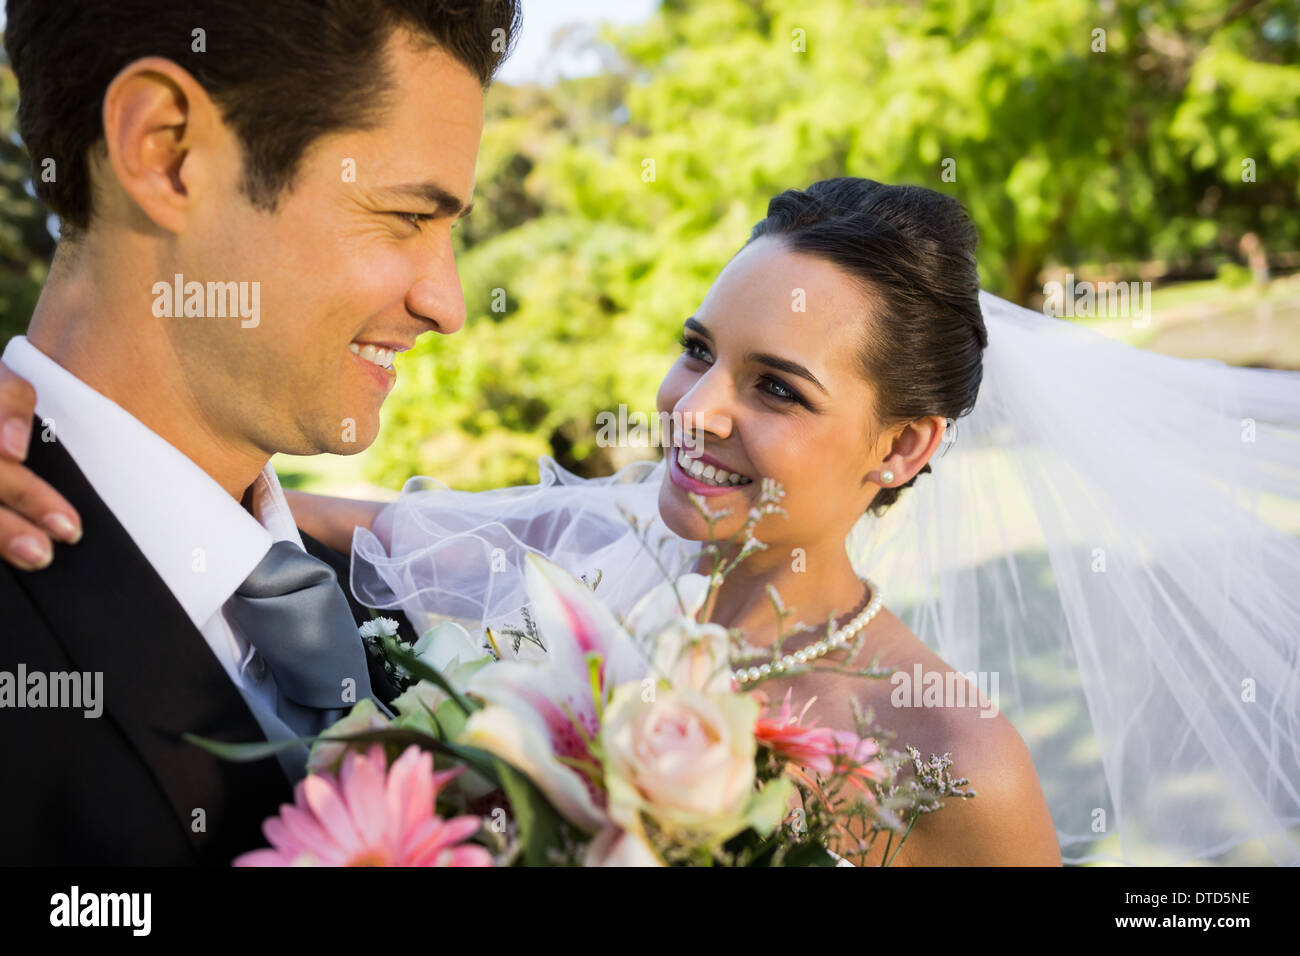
[1007,823]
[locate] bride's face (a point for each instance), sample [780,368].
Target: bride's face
[770,379]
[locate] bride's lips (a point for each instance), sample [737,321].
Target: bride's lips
[688,483]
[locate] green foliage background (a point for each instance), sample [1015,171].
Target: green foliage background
[25,243]
[1064,153]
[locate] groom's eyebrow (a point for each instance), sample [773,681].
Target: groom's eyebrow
[442,199]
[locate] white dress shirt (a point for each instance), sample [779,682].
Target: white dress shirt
[199,539]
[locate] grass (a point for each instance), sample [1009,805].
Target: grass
[1238,324]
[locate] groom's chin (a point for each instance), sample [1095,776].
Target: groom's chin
[347,435]
[353,447]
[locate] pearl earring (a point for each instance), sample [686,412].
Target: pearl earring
[886,477]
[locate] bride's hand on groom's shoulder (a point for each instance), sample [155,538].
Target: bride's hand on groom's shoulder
[32,514]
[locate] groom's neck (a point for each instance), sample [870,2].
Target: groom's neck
[88,323]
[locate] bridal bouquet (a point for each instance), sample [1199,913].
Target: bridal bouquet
[583,739]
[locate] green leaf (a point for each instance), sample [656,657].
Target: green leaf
[479,760]
[451,719]
[767,808]
[476,759]
[399,654]
[247,752]
[539,824]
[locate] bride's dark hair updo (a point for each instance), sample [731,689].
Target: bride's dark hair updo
[913,251]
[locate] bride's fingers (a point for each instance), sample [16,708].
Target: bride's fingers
[17,406]
[22,544]
[31,513]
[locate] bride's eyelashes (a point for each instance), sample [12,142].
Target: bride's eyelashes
[782,392]
[692,347]
[771,386]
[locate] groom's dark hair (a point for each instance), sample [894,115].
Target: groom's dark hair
[282,72]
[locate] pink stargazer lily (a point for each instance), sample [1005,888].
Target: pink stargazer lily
[543,715]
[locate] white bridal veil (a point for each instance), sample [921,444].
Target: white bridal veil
[1111,532]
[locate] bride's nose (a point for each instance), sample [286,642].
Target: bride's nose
[707,406]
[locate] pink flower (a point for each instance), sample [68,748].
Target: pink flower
[854,755]
[787,737]
[370,815]
[819,749]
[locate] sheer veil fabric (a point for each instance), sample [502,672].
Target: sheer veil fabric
[460,556]
[1108,543]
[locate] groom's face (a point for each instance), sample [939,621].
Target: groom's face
[354,261]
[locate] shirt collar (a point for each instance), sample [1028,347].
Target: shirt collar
[199,539]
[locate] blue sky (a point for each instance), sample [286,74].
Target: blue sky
[542,18]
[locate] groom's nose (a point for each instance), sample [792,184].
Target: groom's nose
[436,295]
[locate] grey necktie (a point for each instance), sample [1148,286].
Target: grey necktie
[292,610]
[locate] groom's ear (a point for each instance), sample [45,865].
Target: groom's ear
[162,133]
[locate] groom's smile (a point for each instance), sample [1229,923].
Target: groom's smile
[376,363]
[375,356]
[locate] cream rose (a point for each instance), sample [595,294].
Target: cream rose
[683,758]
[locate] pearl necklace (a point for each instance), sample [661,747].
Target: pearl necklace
[813,651]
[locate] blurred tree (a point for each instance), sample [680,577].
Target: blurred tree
[1073,131]
[25,243]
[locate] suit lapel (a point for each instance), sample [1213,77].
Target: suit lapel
[111,613]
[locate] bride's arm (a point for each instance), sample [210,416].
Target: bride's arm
[331,521]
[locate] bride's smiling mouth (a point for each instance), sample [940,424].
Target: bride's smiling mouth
[702,474]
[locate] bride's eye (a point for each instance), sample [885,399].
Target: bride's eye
[779,390]
[696,349]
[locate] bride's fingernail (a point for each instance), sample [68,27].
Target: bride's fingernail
[61,527]
[14,438]
[30,554]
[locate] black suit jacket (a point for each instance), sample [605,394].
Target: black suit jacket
[124,788]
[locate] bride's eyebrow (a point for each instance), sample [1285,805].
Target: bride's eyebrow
[787,366]
[695,325]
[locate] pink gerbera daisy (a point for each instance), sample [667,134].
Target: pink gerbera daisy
[370,815]
[818,749]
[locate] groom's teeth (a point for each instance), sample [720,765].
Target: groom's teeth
[709,474]
[372,353]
